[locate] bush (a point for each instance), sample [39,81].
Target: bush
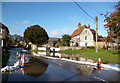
[90,47]
[5,57]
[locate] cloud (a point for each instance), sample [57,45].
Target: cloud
[14,30]
[23,22]
[59,32]
[26,22]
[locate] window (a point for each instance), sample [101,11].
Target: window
[85,31]
[85,37]
[1,43]
[86,44]
[0,30]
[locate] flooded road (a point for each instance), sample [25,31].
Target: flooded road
[43,69]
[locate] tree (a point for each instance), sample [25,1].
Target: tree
[11,41]
[36,35]
[113,22]
[112,25]
[66,40]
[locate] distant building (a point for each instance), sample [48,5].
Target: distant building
[3,35]
[17,37]
[84,36]
[51,42]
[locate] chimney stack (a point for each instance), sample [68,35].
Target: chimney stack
[88,26]
[79,25]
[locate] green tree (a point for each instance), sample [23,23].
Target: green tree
[59,40]
[112,21]
[66,40]
[112,25]
[36,35]
[11,41]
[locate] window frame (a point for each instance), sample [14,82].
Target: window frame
[86,44]
[85,31]
[0,30]
[85,37]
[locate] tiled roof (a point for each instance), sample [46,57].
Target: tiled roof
[94,33]
[100,38]
[78,31]
[3,26]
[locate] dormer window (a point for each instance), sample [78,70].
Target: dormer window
[85,31]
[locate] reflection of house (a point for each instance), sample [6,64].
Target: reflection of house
[3,35]
[51,42]
[85,69]
[84,36]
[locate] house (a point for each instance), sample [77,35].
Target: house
[17,37]
[84,36]
[51,42]
[4,31]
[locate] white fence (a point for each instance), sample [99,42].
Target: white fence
[45,48]
[56,49]
[42,48]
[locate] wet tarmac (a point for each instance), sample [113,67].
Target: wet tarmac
[43,69]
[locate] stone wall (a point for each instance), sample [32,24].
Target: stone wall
[70,48]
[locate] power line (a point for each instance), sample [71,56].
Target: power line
[84,10]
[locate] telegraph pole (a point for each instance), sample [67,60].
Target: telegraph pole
[96,33]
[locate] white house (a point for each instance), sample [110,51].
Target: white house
[83,36]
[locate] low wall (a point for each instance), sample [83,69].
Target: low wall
[56,49]
[70,48]
[42,48]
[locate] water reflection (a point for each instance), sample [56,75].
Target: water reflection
[99,71]
[23,71]
[35,68]
[85,69]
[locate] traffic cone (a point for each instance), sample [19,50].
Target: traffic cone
[22,58]
[19,57]
[99,62]
[60,56]
[23,61]
[17,54]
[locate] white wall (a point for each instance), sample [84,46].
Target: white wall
[41,48]
[89,35]
[80,39]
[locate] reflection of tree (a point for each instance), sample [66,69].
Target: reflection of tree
[85,69]
[36,68]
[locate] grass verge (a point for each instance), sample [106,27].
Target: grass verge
[36,50]
[106,57]
[5,57]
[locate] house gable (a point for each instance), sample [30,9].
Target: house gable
[82,36]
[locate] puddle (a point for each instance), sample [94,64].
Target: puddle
[42,69]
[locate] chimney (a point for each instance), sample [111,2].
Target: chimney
[88,26]
[79,25]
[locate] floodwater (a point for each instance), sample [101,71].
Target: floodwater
[43,69]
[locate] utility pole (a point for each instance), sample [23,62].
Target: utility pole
[96,33]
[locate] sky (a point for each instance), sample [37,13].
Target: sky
[57,18]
